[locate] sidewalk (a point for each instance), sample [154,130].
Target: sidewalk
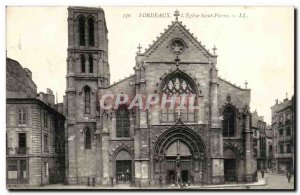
[260,182]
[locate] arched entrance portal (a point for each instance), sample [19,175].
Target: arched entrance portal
[179,157]
[230,163]
[123,167]
[179,163]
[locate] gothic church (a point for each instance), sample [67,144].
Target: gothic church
[212,145]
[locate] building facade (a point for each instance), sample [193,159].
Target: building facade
[283,120]
[269,147]
[259,140]
[210,145]
[35,140]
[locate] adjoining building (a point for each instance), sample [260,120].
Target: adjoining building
[283,120]
[35,136]
[211,145]
[269,147]
[259,140]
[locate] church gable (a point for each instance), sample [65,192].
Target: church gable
[177,40]
[125,86]
[232,94]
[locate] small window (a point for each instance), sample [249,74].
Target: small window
[22,143]
[270,150]
[255,152]
[82,63]
[123,122]
[45,119]
[288,148]
[46,143]
[229,122]
[281,149]
[22,116]
[91,31]
[280,131]
[87,100]
[288,116]
[88,141]
[281,119]
[91,64]
[81,30]
[288,131]
[22,140]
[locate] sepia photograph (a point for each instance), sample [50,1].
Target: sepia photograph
[166,98]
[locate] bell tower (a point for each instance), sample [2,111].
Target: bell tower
[88,44]
[87,71]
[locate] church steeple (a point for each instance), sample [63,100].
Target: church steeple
[87,72]
[88,44]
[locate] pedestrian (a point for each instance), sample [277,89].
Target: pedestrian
[262,173]
[289,176]
[160,181]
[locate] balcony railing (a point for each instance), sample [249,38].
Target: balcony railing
[284,155]
[22,150]
[284,138]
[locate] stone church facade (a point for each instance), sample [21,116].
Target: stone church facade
[210,145]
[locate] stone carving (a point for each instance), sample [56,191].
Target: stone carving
[177,46]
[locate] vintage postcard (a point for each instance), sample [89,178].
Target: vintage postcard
[150,98]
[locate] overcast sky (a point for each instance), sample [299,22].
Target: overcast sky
[258,48]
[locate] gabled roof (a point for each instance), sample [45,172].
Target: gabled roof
[238,87]
[162,37]
[121,80]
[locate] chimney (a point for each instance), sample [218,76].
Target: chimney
[286,97]
[49,91]
[276,101]
[29,73]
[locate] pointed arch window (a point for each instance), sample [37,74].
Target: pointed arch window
[91,31]
[228,122]
[87,100]
[81,30]
[178,84]
[122,122]
[82,63]
[88,139]
[91,63]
